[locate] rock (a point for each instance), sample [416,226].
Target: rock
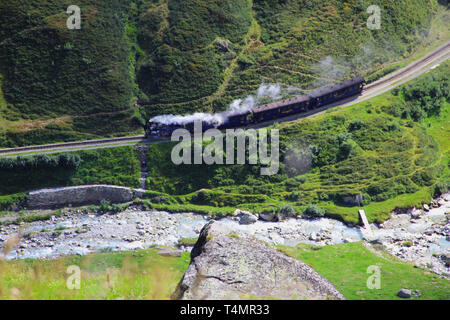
[236,267]
[415,214]
[170,252]
[223,45]
[313,236]
[404,293]
[158,199]
[245,217]
[373,239]
[426,207]
[269,216]
[417,293]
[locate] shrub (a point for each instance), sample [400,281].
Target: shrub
[313,210]
[287,211]
[355,125]
[440,188]
[11,202]
[294,196]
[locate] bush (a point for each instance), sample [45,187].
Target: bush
[440,188]
[355,125]
[107,207]
[67,161]
[294,196]
[11,202]
[287,211]
[313,210]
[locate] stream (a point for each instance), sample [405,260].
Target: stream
[421,237]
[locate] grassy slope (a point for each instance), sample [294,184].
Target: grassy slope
[115,166]
[141,274]
[395,162]
[345,266]
[390,152]
[50,72]
[166,54]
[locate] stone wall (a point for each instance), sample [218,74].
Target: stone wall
[80,195]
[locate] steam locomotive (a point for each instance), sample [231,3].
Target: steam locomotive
[271,111]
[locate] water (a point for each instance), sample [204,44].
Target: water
[82,233]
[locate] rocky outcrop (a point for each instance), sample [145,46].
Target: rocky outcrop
[80,195]
[245,217]
[229,265]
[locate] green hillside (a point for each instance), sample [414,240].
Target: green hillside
[135,59]
[393,150]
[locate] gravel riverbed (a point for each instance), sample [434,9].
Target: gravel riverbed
[420,236]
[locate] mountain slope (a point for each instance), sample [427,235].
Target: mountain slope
[179,56]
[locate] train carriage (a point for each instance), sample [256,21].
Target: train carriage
[338,92]
[239,120]
[274,110]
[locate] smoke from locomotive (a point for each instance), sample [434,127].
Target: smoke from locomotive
[247,111]
[237,107]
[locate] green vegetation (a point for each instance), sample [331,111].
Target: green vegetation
[141,274]
[114,166]
[12,201]
[135,59]
[378,150]
[25,217]
[345,266]
[188,242]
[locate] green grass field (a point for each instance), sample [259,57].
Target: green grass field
[345,266]
[141,274]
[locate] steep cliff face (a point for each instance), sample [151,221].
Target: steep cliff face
[229,265]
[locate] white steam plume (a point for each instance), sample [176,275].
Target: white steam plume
[238,106]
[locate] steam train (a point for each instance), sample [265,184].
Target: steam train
[271,111]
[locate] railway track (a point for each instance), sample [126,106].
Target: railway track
[375,88]
[421,62]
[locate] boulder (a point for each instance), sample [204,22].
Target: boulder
[313,236]
[227,264]
[245,217]
[426,207]
[417,293]
[404,293]
[170,252]
[415,214]
[268,216]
